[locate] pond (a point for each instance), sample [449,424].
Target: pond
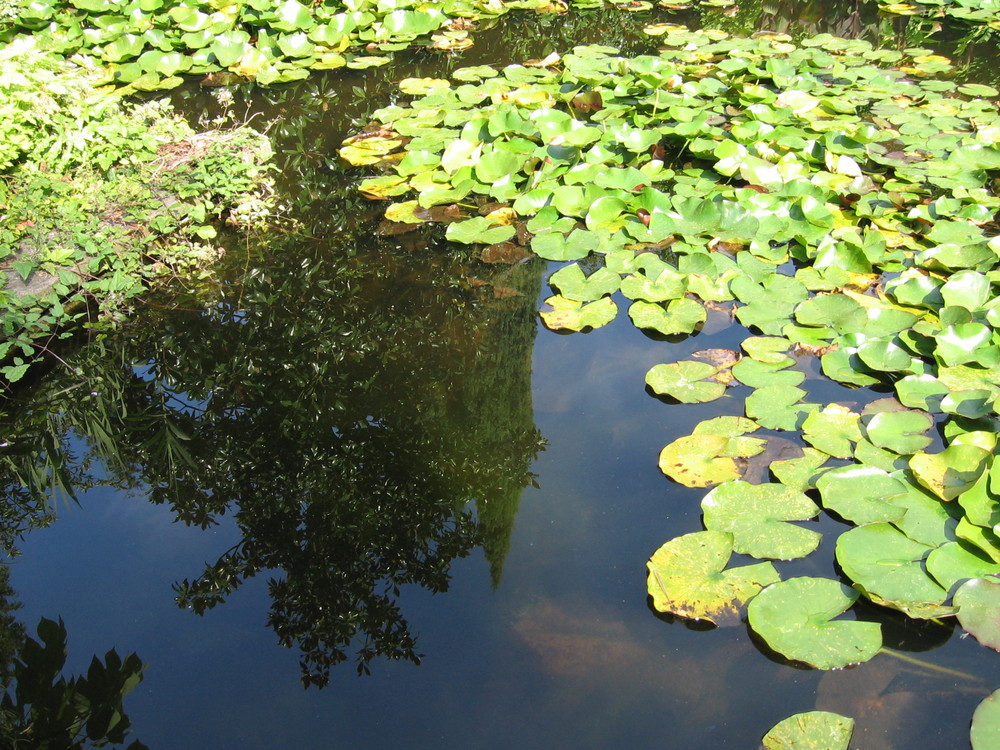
[396,509]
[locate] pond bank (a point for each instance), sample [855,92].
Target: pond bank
[100,198]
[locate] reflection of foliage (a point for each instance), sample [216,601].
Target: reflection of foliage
[45,709]
[345,410]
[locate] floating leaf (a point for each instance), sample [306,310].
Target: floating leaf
[575,316]
[757,516]
[687,578]
[813,730]
[952,471]
[832,429]
[688,382]
[679,316]
[985,732]
[861,494]
[954,563]
[699,461]
[479,230]
[900,430]
[572,283]
[978,603]
[888,566]
[800,473]
[795,616]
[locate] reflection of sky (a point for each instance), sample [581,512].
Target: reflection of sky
[564,654]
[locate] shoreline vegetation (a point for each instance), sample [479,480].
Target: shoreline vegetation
[100,197]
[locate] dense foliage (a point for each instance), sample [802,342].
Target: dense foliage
[99,197]
[837,208]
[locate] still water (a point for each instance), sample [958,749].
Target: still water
[348,454]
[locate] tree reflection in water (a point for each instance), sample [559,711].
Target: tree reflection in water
[365,417]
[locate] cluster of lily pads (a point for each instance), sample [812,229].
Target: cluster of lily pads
[151,44]
[839,201]
[986,12]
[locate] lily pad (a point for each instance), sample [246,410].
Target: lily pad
[953,563]
[699,461]
[833,429]
[687,381]
[795,618]
[985,732]
[687,578]
[679,316]
[952,471]
[861,494]
[889,567]
[813,730]
[571,315]
[978,603]
[757,516]
[572,283]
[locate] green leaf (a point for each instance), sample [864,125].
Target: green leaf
[572,315]
[757,516]
[699,461]
[953,563]
[861,494]
[952,471]
[687,578]
[478,230]
[573,284]
[687,381]
[778,407]
[897,429]
[679,316]
[832,429]
[813,730]
[985,732]
[888,566]
[795,616]
[978,602]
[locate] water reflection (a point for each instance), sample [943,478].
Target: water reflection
[344,410]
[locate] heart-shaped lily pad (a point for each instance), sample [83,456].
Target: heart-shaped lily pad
[954,562]
[567,314]
[795,618]
[757,516]
[861,494]
[888,565]
[678,316]
[699,461]
[985,731]
[832,430]
[687,381]
[687,578]
[812,730]
[573,284]
[978,603]
[952,471]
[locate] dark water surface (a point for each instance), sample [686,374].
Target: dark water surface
[345,442]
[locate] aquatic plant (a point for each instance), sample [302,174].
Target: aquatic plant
[838,201]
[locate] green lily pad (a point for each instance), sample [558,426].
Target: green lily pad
[978,602]
[832,429]
[952,471]
[571,315]
[757,516]
[803,472]
[795,618]
[889,567]
[897,429]
[861,494]
[687,578]
[812,730]
[689,382]
[478,230]
[699,461]
[679,316]
[953,563]
[778,407]
[572,283]
[757,374]
[985,731]
[770,350]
